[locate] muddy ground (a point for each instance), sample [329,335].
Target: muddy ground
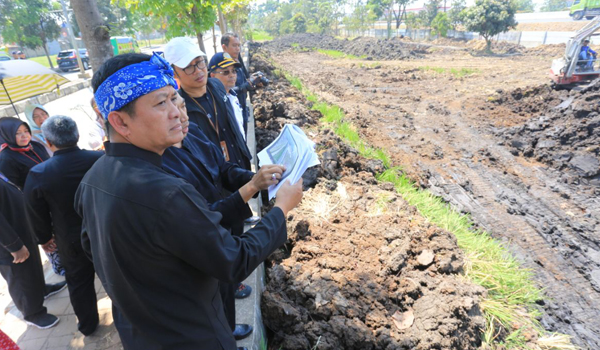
[495,142]
[361,269]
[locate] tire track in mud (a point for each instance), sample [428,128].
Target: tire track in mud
[550,225]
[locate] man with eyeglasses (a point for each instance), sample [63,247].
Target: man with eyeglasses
[224,68]
[206,100]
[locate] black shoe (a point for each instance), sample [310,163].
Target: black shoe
[242,348]
[242,331]
[43,321]
[243,291]
[52,289]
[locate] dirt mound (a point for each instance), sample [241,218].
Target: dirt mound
[361,268]
[564,135]
[501,47]
[370,48]
[554,50]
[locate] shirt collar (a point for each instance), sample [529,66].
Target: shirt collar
[67,150]
[129,150]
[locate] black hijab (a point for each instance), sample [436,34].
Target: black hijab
[8,132]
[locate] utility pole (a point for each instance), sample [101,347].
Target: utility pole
[82,73]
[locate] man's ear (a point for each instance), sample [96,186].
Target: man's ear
[224,47]
[119,122]
[49,143]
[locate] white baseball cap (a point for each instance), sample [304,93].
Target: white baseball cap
[181,51]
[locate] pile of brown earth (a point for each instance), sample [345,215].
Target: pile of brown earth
[361,268]
[501,47]
[370,48]
[564,131]
[554,50]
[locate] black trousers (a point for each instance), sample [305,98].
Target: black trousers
[79,274]
[26,284]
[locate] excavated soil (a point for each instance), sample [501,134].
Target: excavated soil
[488,135]
[361,268]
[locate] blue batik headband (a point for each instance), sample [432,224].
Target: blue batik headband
[133,81]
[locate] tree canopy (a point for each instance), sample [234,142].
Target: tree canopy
[491,17]
[21,21]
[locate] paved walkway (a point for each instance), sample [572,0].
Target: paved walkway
[65,335]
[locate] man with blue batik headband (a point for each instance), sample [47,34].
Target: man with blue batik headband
[157,248]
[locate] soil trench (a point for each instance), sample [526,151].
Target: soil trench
[492,143]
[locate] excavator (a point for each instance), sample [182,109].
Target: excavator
[571,70]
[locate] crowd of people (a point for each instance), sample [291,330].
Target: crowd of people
[158,214]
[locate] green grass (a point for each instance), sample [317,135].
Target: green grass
[459,73]
[260,35]
[43,60]
[340,54]
[295,45]
[510,303]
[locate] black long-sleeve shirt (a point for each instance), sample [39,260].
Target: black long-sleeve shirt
[14,228]
[228,130]
[160,252]
[200,163]
[50,190]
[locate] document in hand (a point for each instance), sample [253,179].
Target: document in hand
[293,150]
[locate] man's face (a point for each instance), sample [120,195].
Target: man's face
[227,76]
[183,116]
[156,125]
[197,77]
[234,48]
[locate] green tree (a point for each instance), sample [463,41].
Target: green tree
[299,23]
[361,18]
[525,5]
[441,24]
[186,17]
[456,13]
[490,17]
[94,31]
[432,8]
[119,19]
[29,23]
[554,5]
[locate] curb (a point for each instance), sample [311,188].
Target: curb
[248,309]
[67,89]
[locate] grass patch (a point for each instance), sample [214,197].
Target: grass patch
[340,54]
[457,72]
[295,45]
[509,307]
[260,35]
[43,60]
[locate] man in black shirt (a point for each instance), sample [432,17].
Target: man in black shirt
[50,190]
[206,100]
[157,248]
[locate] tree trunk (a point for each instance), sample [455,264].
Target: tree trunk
[222,22]
[94,32]
[214,39]
[200,42]
[43,37]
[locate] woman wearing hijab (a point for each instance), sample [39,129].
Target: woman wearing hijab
[36,116]
[18,154]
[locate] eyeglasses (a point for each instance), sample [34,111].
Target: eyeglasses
[192,68]
[226,72]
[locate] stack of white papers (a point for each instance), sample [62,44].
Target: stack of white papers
[293,150]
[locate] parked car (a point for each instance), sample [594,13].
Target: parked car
[67,60]
[4,57]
